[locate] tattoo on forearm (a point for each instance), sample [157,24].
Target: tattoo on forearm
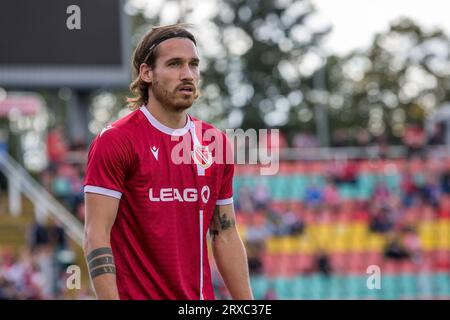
[102,270]
[213,233]
[98,252]
[219,223]
[100,261]
[225,222]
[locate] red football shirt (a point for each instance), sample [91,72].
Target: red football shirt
[168,185]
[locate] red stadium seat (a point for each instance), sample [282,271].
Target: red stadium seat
[271,265]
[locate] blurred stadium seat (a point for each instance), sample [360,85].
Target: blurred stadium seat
[412,251]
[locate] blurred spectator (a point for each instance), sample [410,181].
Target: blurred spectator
[258,229]
[395,249]
[38,235]
[330,192]
[305,140]
[244,202]
[412,243]
[381,192]
[381,142]
[3,189]
[363,137]
[56,145]
[444,207]
[270,294]
[22,278]
[414,139]
[344,171]
[381,221]
[409,188]
[291,223]
[323,264]
[445,182]
[430,190]
[254,256]
[61,184]
[77,196]
[260,196]
[4,136]
[314,194]
[438,135]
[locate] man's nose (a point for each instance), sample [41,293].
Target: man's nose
[186,73]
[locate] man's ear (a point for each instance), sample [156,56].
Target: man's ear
[146,73]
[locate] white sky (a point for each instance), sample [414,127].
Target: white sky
[355,22]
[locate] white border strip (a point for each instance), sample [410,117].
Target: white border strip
[201,255]
[223,202]
[103,191]
[200,169]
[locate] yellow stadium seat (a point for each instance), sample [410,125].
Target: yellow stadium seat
[306,245]
[287,244]
[376,242]
[274,245]
[359,242]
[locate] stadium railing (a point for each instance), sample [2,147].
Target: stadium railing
[19,181]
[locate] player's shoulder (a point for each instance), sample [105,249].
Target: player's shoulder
[124,128]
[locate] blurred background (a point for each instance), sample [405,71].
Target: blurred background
[360,92]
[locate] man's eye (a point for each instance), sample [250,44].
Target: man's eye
[175,63]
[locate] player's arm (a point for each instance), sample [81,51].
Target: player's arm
[101,213]
[229,252]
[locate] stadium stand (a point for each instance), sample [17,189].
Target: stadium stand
[311,231]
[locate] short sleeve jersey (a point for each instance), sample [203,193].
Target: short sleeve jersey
[168,182]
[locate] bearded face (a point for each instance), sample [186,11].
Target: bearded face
[175,99]
[176,74]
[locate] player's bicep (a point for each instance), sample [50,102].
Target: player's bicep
[223,221]
[101,212]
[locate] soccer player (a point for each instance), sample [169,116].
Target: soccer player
[147,212]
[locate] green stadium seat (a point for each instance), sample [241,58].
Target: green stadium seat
[301,288]
[284,288]
[274,187]
[345,191]
[425,285]
[390,287]
[356,287]
[285,186]
[393,182]
[336,287]
[296,187]
[319,284]
[441,285]
[260,285]
[409,289]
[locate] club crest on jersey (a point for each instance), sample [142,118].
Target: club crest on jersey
[202,156]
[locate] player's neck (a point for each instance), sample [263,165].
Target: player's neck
[173,120]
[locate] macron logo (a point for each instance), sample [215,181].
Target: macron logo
[155,152]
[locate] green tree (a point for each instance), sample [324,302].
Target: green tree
[269,53]
[256,54]
[400,79]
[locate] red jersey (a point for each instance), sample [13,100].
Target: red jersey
[168,184]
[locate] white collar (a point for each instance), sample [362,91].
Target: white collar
[158,125]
